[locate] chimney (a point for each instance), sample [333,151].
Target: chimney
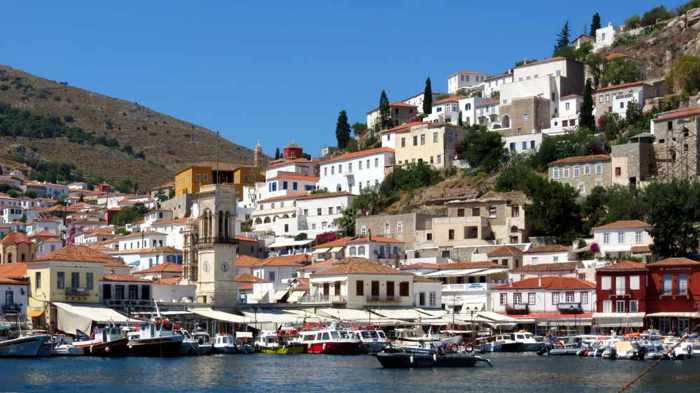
[369,234]
[539,280]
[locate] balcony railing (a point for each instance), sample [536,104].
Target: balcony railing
[77,291]
[570,308]
[517,309]
[323,299]
[467,287]
[11,308]
[382,299]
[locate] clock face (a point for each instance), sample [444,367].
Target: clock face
[224,267]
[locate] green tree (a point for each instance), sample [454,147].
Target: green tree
[655,15]
[125,186]
[685,75]
[595,24]
[384,111]
[410,177]
[342,130]
[482,149]
[460,122]
[620,71]
[586,118]
[428,97]
[277,153]
[128,215]
[359,129]
[633,22]
[673,210]
[347,221]
[562,38]
[579,143]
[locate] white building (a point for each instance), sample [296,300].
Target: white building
[174,230]
[11,214]
[277,215]
[273,274]
[146,258]
[13,298]
[96,235]
[548,253]
[523,143]
[605,37]
[321,212]
[445,111]
[376,248]
[427,292]
[140,240]
[543,295]
[493,84]
[623,238]
[567,117]
[351,172]
[418,99]
[464,79]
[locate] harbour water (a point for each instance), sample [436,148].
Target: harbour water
[325,373]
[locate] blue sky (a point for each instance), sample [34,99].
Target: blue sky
[280,71]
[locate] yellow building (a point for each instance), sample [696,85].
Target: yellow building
[71,275]
[190,179]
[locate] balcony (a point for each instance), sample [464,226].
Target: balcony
[323,299]
[77,292]
[570,308]
[11,308]
[467,287]
[517,309]
[382,299]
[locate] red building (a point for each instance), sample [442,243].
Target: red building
[673,295]
[621,296]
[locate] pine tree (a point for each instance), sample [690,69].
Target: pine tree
[595,24]
[428,97]
[562,38]
[460,122]
[342,130]
[277,154]
[586,118]
[384,111]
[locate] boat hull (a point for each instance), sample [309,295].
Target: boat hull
[372,347]
[111,348]
[334,348]
[156,347]
[284,350]
[417,360]
[23,347]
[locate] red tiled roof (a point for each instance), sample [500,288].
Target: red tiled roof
[76,254]
[12,281]
[403,127]
[123,278]
[358,154]
[375,239]
[504,251]
[247,261]
[342,242]
[43,234]
[453,265]
[678,114]
[358,266]
[581,159]
[543,61]
[13,238]
[314,267]
[174,221]
[421,266]
[162,268]
[13,270]
[549,267]
[624,224]
[99,231]
[623,266]
[643,249]
[241,238]
[246,280]
[545,248]
[284,162]
[620,86]
[448,99]
[550,282]
[287,260]
[418,278]
[281,175]
[674,262]
[400,104]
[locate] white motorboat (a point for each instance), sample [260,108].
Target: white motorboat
[25,346]
[225,343]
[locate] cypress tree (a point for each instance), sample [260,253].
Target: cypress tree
[595,24]
[460,122]
[342,130]
[562,38]
[277,154]
[428,97]
[586,118]
[384,111]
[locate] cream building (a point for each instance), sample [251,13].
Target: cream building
[432,144]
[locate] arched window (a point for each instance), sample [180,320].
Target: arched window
[468,106]
[9,257]
[361,250]
[258,220]
[220,233]
[267,220]
[505,122]
[352,251]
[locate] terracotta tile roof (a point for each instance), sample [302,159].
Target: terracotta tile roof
[103,231]
[549,267]
[288,197]
[314,267]
[375,239]
[13,270]
[581,159]
[551,283]
[168,281]
[287,260]
[341,242]
[674,262]
[321,195]
[418,278]
[545,248]
[284,162]
[241,238]
[123,278]
[162,268]
[400,104]
[358,154]
[43,234]
[448,99]
[12,281]
[76,254]
[624,224]
[302,284]
[174,221]
[156,250]
[247,278]
[623,266]
[247,261]
[643,249]
[13,238]
[404,127]
[281,175]
[471,265]
[620,86]
[358,266]
[422,266]
[505,251]
[678,114]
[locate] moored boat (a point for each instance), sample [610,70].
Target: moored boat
[25,346]
[155,338]
[402,359]
[330,341]
[272,342]
[107,341]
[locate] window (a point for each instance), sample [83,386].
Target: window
[332,170]
[577,171]
[476,212]
[503,299]
[352,251]
[389,289]
[432,299]
[531,298]
[492,211]
[60,280]
[620,286]
[621,237]
[75,280]
[37,280]
[428,236]
[133,292]
[435,137]
[555,173]
[569,297]
[515,211]
[359,288]
[682,284]
[422,139]
[555,298]
[330,210]
[145,292]
[363,230]
[587,170]
[359,165]
[584,297]
[387,228]
[620,306]
[106,291]
[606,283]
[460,212]
[566,173]
[415,140]
[471,232]
[634,283]
[607,306]
[399,227]
[606,237]
[439,158]
[119,292]
[517,298]
[319,211]
[598,169]
[337,288]
[361,250]
[89,278]
[403,144]
[421,298]
[451,234]
[404,289]
[668,284]
[638,237]
[634,306]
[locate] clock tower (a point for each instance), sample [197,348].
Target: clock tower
[214,210]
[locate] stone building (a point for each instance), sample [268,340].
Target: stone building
[582,172]
[633,162]
[16,247]
[676,143]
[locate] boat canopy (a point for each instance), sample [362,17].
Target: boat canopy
[208,312]
[405,314]
[72,317]
[358,316]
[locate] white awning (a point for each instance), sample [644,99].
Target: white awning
[453,272]
[271,316]
[72,318]
[490,271]
[614,319]
[496,317]
[320,250]
[435,313]
[336,249]
[307,314]
[406,314]
[295,296]
[219,315]
[278,295]
[347,314]
[694,315]
[290,243]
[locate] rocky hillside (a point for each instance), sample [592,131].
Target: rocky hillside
[125,140]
